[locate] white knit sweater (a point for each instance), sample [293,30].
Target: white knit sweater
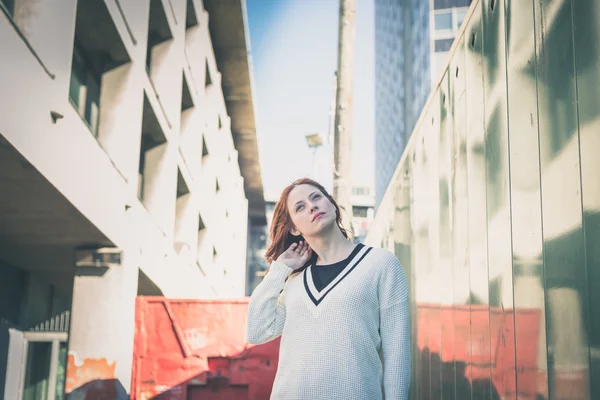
[332,341]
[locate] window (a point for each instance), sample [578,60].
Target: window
[84,90]
[190,18]
[186,96]
[443,45]
[97,49]
[360,191]
[460,17]
[204,151]
[359,211]
[182,243]
[201,235]
[437,4]
[9,5]
[43,349]
[152,137]
[158,30]
[443,21]
[207,78]
[182,187]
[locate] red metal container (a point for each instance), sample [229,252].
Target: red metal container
[191,349]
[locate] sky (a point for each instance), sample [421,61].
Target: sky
[294,54]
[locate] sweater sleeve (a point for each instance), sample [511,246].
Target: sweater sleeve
[266,310]
[395,330]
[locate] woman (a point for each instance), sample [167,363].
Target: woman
[341,309]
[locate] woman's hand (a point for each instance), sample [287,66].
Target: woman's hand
[296,255]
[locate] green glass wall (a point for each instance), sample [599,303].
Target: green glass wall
[494,209]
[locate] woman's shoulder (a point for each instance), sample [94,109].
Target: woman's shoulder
[379,254]
[383,260]
[390,273]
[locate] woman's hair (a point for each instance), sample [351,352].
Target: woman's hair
[281,237]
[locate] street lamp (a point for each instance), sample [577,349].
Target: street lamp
[314,141]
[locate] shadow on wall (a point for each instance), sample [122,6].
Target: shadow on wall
[448,380]
[100,389]
[248,375]
[93,379]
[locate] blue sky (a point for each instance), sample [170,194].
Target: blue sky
[294,52]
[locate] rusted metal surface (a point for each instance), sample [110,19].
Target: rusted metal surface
[190,349]
[91,379]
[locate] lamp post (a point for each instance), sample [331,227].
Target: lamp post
[342,155]
[314,141]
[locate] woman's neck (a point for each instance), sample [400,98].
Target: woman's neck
[331,248]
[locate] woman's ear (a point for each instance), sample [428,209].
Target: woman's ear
[294,231]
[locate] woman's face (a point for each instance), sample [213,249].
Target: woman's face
[310,210]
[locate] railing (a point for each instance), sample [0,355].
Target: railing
[58,323]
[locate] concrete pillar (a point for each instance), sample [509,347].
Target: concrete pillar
[192,126]
[167,76]
[186,230]
[160,185]
[102,330]
[120,126]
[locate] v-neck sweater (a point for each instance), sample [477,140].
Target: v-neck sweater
[349,341]
[324,274]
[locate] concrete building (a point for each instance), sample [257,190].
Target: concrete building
[363,211]
[128,166]
[412,39]
[257,246]
[445,22]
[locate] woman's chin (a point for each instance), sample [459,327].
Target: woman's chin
[322,227]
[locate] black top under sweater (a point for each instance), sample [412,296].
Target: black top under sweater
[324,274]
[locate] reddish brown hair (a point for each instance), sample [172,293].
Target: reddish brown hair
[281,237]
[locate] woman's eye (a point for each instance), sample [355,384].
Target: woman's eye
[316,196]
[299,208]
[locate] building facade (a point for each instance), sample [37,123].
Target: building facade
[363,211]
[445,22]
[412,39]
[494,209]
[259,241]
[129,167]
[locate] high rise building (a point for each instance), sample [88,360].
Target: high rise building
[448,16]
[412,39]
[128,167]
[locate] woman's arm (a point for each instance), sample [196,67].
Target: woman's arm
[266,310]
[395,330]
